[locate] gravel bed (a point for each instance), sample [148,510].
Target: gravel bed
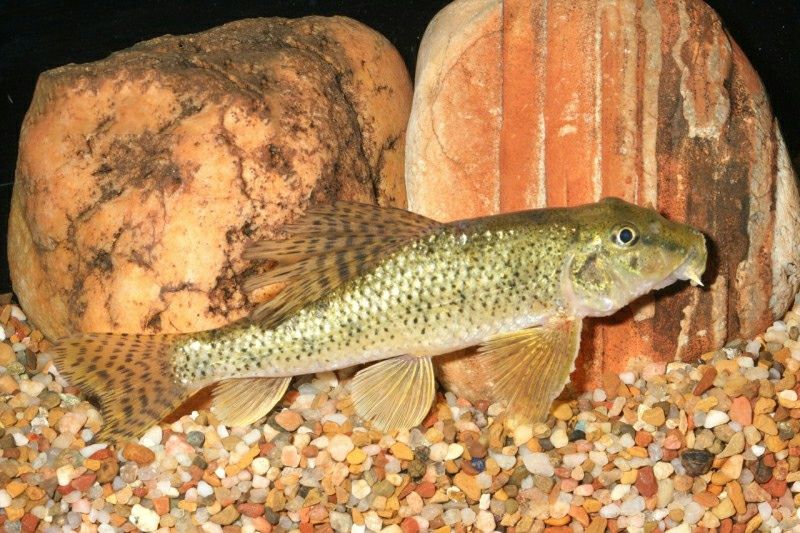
[662,447]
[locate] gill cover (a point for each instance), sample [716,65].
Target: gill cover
[623,251]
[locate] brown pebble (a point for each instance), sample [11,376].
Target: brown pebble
[251,509]
[706,381]
[7,355]
[83,482]
[226,516]
[8,384]
[138,454]
[289,420]
[29,523]
[696,462]
[409,525]
[426,489]
[476,449]
[161,505]
[646,482]
[775,487]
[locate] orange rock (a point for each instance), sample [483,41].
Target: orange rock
[530,103]
[142,176]
[138,454]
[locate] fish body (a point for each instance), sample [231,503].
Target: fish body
[371,285]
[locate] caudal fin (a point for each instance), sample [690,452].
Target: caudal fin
[129,376]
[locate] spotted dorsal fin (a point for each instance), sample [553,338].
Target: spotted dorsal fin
[328,246]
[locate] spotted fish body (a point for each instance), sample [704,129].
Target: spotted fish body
[370,285]
[448,290]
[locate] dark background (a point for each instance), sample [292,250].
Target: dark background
[37,35]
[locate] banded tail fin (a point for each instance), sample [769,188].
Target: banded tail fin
[130,376]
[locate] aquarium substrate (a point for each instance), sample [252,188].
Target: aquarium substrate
[662,447]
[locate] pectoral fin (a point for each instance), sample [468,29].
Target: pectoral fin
[242,401]
[528,369]
[395,393]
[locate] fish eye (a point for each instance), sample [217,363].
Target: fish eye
[626,236]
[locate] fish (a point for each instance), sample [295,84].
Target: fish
[391,289]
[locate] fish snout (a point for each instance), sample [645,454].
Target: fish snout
[695,264]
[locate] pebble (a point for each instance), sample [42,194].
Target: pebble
[696,462]
[339,446]
[289,420]
[658,447]
[558,438]
[143,518]
[138,454]
[715,418]
[539,464]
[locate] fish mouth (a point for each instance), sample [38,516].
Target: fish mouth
[694,265]
[691,269]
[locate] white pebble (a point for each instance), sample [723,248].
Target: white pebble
[598,395]
[467,516]
[5,499]
[454,451]
[204,489]
[483,503]
[505,462]
[610,511]
[251,437]
[572,460]
[522,434]
[144,518]
[90,450]
[152,437]
[559,438]
[20,439]
[64,474]
[339,446]
[619,491]
[260,465]
[632,507]
[438,451]
[662,470]
[788,395]
[628,378]
[17,313]
[360,489]
[31,388]
[336,418]
[683,528]
[538,463]
[693,512]
[715,418]
[753,347]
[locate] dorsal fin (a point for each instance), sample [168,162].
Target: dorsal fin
[326,247]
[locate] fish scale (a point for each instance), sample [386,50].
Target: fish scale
[365,284]
[444,292]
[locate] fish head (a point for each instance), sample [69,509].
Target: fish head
[623,251]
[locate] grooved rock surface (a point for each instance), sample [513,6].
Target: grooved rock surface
[533,103]
[141,176]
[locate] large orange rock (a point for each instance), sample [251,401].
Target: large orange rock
[141,176]
[532,103]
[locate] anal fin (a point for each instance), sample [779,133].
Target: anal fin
[395,393]
[528,369]
[242,401]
